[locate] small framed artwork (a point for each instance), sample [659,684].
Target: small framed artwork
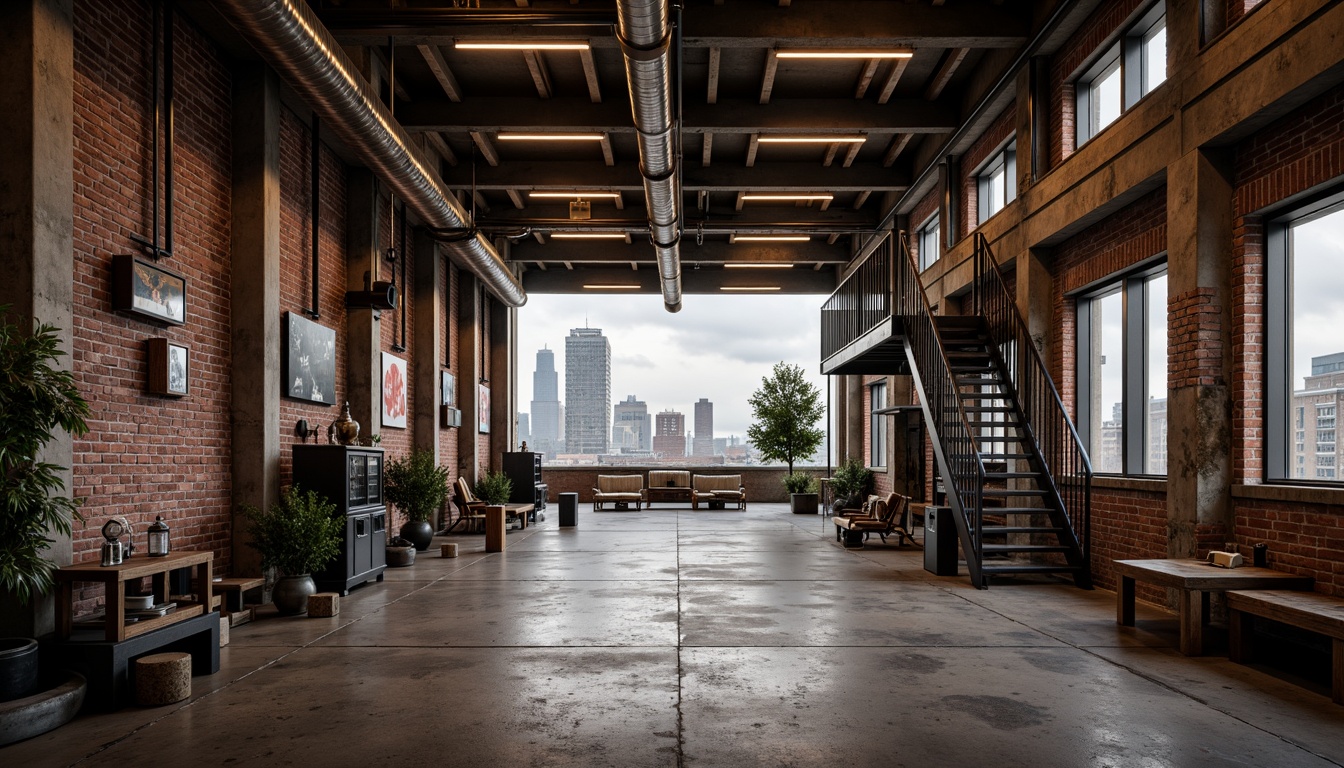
[309,363]
[394,391]
[142,289]
[447,389]
[483,411]
[169,368]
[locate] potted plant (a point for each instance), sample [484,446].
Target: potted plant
[494,488]
[803,496]
[298,535]
[851,484]
[37,400]
[417,485]
[400,552]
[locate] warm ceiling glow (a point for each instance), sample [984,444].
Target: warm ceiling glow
[823,53]
[773,139]
[535,45]
[612,287]
[790,198]
[736,265]
[588,235]
[549,136]
[749,288]
[575,194]
[769,238]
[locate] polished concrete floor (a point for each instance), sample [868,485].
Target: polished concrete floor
[671,638]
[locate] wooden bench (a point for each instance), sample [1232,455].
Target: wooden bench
[1311,611]
[234,590]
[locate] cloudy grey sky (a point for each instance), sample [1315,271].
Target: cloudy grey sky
[1318,292]
[717,347]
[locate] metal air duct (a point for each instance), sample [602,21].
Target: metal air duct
[644,32]
[291,39]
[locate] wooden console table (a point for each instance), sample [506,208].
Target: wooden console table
[114,577]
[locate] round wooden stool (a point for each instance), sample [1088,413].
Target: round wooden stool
[162,678]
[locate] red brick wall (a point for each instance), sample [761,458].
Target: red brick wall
[146,455]
[922,211]
[1127,525]
[983,149]
[1306,539]
[448,435]
[296,286]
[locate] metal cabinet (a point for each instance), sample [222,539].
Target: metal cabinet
[351,477]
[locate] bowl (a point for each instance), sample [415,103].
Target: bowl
[139,602]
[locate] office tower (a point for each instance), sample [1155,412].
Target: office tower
[545,421]
[669,439]
[524,429]
[703,444]
[633,415]
[587,391]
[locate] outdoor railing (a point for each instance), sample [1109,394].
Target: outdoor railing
[860,304]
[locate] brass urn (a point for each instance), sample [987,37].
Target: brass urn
[344,430]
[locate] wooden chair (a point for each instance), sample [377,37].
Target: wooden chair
[470,509]
[888,516]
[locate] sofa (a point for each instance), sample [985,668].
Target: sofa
[715,490]
[669,485]
[620,490]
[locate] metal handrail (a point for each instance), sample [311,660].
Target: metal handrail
[1067,468]
[861,303]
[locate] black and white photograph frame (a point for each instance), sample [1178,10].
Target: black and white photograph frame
[169,368]
[145,290]
[309,362]
[447,389]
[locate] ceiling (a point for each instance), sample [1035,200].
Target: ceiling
[872,122]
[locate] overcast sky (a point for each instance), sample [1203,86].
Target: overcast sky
[1318,292]
[717,347]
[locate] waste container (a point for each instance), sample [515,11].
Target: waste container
[940,541]
[569,510]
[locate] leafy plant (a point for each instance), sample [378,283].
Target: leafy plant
[416,484]
[494,488]
[851,479]
[36,399]
[786,408]
[299,534]
[800,482]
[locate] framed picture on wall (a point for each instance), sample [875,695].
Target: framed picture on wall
[309,363]
[145,290]
[483,410]
[447,389]
[394,391]
[169,368]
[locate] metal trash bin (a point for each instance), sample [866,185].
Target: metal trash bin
[569,510]
[940,541]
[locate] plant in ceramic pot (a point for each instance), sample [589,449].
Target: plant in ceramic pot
[494,488]
[298,535]
[803,496]
[37,401]
[851,484]
[418,486]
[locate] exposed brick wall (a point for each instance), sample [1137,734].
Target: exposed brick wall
[1248,349]
[1127,525]
[1304,539]
[296,286]
[1194,334]
[146,455]
[448,435]
[983,149]
[1239,9]
[922,211]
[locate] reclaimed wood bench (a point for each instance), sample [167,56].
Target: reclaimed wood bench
[234,590]
[1311,611]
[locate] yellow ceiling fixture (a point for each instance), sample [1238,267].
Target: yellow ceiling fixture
[506,136]
[524,45]
[787,198]
[736,265]
[574,195]
[588,235]
[855,53]
[769,238]
[814,139]
[747,288]
[611,287]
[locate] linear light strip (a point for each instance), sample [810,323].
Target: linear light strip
[596,287]
[777,139]
[770,238]
[588,235]
[521,46]
[788,197]
[549,136]
[821,53]
[757,266]
[576,193]
[744,288]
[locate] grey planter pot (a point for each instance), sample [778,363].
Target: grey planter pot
[291,594]
[804,503]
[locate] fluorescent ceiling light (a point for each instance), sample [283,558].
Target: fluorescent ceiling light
[823,53]
[575,194]
[775,139]
[742,288]
[535,45]
[769,238]
[790,198]
[735,265]
[549,136]
[588,235]
[612,287]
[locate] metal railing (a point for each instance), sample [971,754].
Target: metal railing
[1067,470]
[954,443]
[860,304]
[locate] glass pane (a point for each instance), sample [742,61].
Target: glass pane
[1155,56]
[879,427]
[1107,374]
[1106,102]
[996,182]
[1316,253]
[357,470]
[1155,416]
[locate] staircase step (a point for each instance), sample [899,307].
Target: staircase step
[1012,492]
[1016,511]
[1011,475]
[990,530]
[1001,549]
[1003,456]
[989,408]
[993,570]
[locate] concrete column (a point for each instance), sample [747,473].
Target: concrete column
[469,369]
[1199,408]
[503,407]
[363,346]
[427,341]
[1024,129]
[1035,300]
[255,308]
[1186,30]
[854,409]
[840,421]
[37,194]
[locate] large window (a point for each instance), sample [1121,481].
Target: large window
[1122,374]
[929,243]
[1123,73]
[877,399]
[996,183]
[1304,350]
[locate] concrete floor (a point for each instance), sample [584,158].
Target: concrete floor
[669,638]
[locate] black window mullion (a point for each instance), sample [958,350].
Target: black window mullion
[1278,341]
[1135,362]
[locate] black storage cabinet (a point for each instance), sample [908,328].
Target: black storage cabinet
[351,477]
[940,541]
[524,470]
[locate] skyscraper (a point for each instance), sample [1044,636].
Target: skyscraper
[669,441]
[524,428]
[545,404]
[632,414]
[587,391]
[703,444]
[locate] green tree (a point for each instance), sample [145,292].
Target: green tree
[786,408]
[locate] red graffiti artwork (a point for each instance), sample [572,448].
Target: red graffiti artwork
[394,392]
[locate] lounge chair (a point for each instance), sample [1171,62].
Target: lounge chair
[883,516]
[470,510]
[718,489]
[621,490]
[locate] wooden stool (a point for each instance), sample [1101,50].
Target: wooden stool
[448,550]
[235,591]
[494,529]
[162,678]
[224,624]
[324,605]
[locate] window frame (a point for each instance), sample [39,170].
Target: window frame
[931,226]
[1128,50]
[1134,341]
[1004,158]
[877,425]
